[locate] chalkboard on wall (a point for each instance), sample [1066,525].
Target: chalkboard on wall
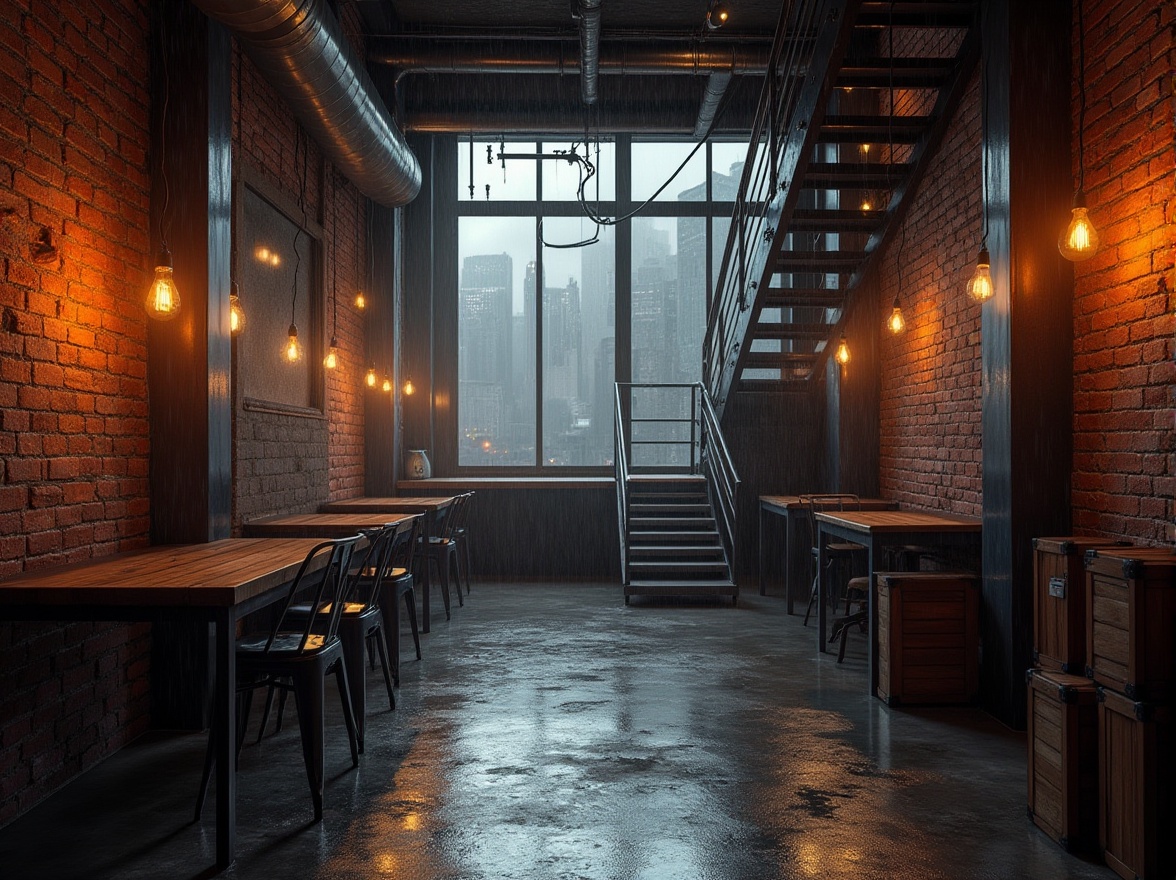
[279,274]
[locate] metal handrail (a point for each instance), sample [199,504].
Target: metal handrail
[758,207]
[722,478]
[621,472]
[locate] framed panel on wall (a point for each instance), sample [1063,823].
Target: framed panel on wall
[279,272]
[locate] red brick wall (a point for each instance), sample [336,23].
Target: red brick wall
[930,451]
[73,400]
[287,463]
[1124,472]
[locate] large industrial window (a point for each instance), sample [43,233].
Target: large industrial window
[538,317]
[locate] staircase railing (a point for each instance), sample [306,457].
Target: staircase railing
[790,102]
[682,435]
[621,471]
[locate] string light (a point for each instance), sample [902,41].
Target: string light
[331,361]
[980,284]
[387,386]
[409,389]
[236,313]
[293,350]
[163,297]
[370,378]
[895,323]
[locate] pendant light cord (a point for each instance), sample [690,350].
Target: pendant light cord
[890,159]
[1081,100]
[334,252]
[163,129]
[299,138]
[984,135]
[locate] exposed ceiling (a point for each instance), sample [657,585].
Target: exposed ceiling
[498,67]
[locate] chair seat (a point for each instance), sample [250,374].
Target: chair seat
[302,610]
[284,643]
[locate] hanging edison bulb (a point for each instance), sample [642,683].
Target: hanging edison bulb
[236,313]
[331,361]
[409,389]
[163,299]
[293,349]
[370,378]
[1079,240]
[842,355]
[980,284]
[387,386]
[896,323]
[360,301]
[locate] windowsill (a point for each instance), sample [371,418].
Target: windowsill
[507,483]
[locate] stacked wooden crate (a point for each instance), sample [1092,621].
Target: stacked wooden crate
[928,637]
[1062,711]
[1131,656]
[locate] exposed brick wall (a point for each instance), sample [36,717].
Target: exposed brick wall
[1124,471]
[73,399]
[287,463]
[930,453]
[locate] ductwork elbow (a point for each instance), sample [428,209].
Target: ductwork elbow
[300,48]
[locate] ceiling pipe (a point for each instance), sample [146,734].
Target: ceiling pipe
[560,120]
[588,13]
[300,48]
[646,58]
[716,87]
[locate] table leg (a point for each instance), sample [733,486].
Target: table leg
[822,587]
[763,554]
[224,720]
[790,560]
[872,619]
[426,535]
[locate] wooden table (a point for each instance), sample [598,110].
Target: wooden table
[887,528]
[218,583]
[430,507]
[320,525]
[793,510]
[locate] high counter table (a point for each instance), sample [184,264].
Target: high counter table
[430,507]
[793,509]
[218,582]
[887,528]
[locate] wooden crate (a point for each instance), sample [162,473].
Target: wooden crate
[1131,621]
[1059,601]
[1135,787]
[928,638]
[1063,758]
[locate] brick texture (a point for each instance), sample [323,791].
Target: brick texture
[1124,470]
[73,400]
[930,453]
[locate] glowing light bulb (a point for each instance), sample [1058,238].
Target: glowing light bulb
[360,301]
[717,16]
[387,386]
[293,349]
[1079,240]
[895,323]
[236,313]
[331,361]
[163,299]
[370,378]
[842,355]
[867,205]
[408,388]
[980,284]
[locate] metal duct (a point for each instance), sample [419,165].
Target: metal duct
[589,15]
[716,87]
[430,55]
[300,48]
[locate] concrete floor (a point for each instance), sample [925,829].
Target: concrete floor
[553,732]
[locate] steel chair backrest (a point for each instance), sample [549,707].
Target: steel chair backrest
[368,576]
[454,516]
[327,589]
[403,544]
[817,503]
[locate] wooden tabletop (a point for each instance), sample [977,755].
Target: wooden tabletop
[320,525]
[220,573]
[797,502]
[881,521]
[390,504]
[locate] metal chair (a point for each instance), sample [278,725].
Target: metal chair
[441,550]
[840,554]
[462,535]
[299,660]
[397,586]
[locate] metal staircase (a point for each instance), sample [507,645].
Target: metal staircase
[676,492]
[857,98]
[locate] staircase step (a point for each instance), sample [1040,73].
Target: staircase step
[852,175]
[673,552]
[688,566]
[683,523]
[872,129]
[691,539]
[652,587]
[688,510]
